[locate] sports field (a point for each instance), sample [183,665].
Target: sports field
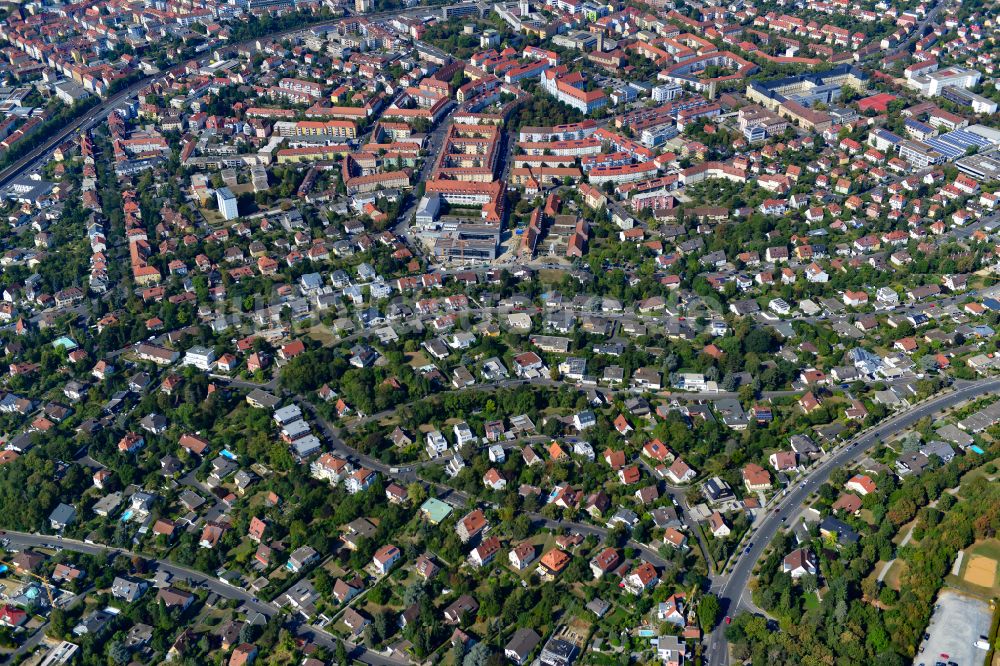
[981,571]
[977,574]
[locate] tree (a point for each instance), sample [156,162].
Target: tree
[478,655]
[380,594]
[708,611]
[416,493]
[758,341]
[59,624]
[457,652]
[521,526]
[414,593]
[323,582]
[340,654]
[119,652]
[249,632]
[730,383]
[380,626]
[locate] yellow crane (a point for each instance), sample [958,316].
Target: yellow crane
[44,581]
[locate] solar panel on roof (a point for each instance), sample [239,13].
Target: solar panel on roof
[965,139]
[948,150]
[917,125]
[981,141]
[954,144]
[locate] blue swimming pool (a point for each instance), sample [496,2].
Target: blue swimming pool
[66,343]
[127,516]
[975,449]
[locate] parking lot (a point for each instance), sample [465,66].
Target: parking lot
[957,623]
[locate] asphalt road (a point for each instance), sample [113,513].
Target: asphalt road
[22,540]
[732,593]
[36,157]
[407,473]
[735,591]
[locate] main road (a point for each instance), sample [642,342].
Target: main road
[36,157]
[735,587]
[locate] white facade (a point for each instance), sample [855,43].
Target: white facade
[667,93]
[932,84]
[227,203]
[436,443]
[463,434]
[202,358]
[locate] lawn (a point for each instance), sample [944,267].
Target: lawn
[903,531]
[323,335]
[416,359]
[866,515]
[212,216]
[243,552]
[812,601]
[894,578]
[973,474]
[208,619]
[989,548]
[333,568]
[551,275]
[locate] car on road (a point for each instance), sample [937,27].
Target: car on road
[729,620]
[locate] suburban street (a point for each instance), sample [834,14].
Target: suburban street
[733,589]
[407,474]
[244,271]
[22,540]
[40,154]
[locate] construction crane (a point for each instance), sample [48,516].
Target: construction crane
[45,582]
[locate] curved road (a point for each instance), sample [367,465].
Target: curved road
[406,474]
[736,585]
[22,540]
[733,588]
